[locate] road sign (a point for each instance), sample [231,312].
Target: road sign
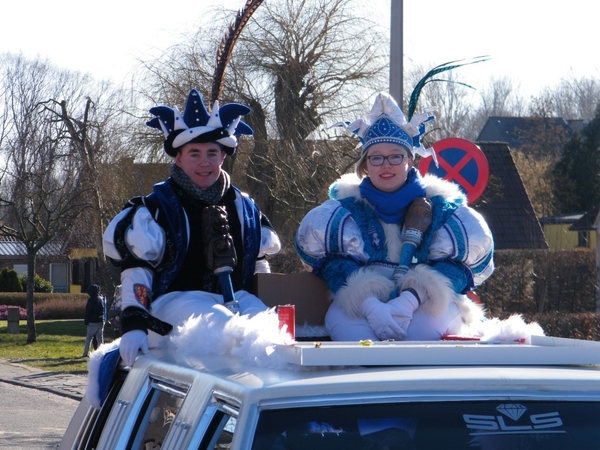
[461,162]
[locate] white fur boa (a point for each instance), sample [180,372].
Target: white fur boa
[252,339]
[512,329]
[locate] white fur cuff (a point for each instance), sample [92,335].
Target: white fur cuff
[362,284]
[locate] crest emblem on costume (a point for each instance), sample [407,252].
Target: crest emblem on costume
[143,294]
[374,238]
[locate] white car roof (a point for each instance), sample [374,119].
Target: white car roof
[565,366]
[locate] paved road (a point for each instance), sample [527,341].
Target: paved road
[32,419]
[66,385]
[36,406]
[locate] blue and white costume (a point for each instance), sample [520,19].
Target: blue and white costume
[150,240]
[356,254]
[166,243]
[354,241]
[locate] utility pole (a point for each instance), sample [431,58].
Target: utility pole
[396,51]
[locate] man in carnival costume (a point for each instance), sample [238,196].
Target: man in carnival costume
[196,239]
[397,250]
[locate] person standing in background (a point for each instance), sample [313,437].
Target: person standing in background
[94,318]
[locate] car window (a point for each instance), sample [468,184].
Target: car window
[219,433]
[157,416]
[489,425]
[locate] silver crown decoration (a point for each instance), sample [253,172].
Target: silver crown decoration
[387,123]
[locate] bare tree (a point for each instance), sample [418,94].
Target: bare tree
[40,191]
[301,65]
[501,98]
[96,130]
[572,99]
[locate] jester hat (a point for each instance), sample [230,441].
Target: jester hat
[222,125]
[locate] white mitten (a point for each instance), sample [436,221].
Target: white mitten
[131,342]
[403,307]
[379,316]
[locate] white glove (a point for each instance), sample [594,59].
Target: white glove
[390,320]
[403,307]
[131,342]
[380,318]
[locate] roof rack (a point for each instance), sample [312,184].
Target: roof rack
[541,351]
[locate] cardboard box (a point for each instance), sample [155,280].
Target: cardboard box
[308,293]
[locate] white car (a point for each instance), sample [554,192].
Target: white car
[356,395]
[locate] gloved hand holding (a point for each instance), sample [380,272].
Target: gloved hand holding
[391,320]
[131,342]
[417,220]
[418,217]
[403,307]
[380,318]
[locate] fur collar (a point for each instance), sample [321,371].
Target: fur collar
[348,186]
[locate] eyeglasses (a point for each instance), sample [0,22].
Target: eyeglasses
[394,160]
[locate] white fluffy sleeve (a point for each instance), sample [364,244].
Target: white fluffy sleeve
[145,239]
[269,243]
[326,230]
[467,238]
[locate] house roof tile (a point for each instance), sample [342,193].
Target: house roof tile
[506,205]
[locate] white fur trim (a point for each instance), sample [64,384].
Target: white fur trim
[434,289]
[393,241]
[362,284]
[509,330]
[438,186]
[470,312]
[93,388]
[348,186]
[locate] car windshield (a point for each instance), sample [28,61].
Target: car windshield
[489,425]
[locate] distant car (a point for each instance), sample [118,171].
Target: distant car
[359,395]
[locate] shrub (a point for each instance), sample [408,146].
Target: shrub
[62,307]
[541,281]
[22,313]
[49,306]
[9,281]
[40,285]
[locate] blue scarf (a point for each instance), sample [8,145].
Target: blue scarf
[390,207]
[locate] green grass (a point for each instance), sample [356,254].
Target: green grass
[58,347]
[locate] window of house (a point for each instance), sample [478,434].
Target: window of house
[59,277]
[583,239]
[21,269]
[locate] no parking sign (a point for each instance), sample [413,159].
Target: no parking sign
[461,162]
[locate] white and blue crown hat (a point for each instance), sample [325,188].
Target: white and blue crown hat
[386,123]
[222,125]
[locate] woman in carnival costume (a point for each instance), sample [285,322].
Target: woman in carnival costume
[196,239]
[397,250]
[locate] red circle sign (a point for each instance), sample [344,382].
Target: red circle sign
[461,162]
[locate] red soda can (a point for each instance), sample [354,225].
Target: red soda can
[287,317]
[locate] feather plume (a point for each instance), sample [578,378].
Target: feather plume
[414,97]
[225,49]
